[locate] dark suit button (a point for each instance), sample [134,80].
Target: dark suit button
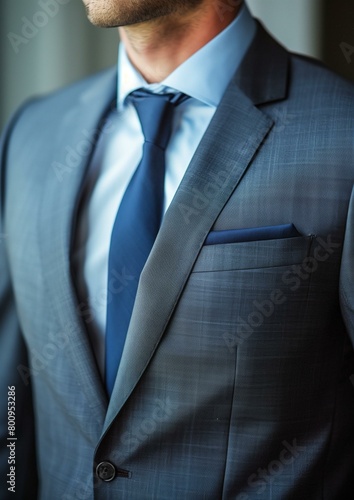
[106,471]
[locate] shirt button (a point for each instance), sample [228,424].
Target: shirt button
[106,471]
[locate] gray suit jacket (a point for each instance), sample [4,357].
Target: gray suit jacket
[235,377]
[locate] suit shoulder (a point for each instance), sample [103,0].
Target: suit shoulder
[312,76]
[74,91]
[41,118]
[49,109]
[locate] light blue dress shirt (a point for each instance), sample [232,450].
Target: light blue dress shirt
[204,77]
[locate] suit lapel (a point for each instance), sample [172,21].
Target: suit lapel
[233,137]
[80,126]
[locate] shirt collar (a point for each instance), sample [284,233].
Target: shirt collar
[206,74]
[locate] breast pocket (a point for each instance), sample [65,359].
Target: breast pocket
[253,254]
[281,288]
[252,283]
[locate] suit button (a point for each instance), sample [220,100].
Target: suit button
[106,471]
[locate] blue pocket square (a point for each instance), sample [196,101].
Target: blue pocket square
[252,234]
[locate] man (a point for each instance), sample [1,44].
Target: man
[234,380]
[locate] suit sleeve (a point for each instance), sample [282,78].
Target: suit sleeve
[20,452]
[347,272]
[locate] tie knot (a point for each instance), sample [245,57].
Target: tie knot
[155,112]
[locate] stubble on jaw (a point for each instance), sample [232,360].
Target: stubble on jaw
[115,13]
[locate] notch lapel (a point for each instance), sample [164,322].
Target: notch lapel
[225,152]
[59,205]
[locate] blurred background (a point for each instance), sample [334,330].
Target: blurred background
[46,44]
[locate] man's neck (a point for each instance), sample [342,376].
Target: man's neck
[156,48]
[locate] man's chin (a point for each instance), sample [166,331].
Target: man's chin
[99,16]
[101,23]
[105,21]
[110,15]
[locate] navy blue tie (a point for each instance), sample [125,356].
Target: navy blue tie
[137,222]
